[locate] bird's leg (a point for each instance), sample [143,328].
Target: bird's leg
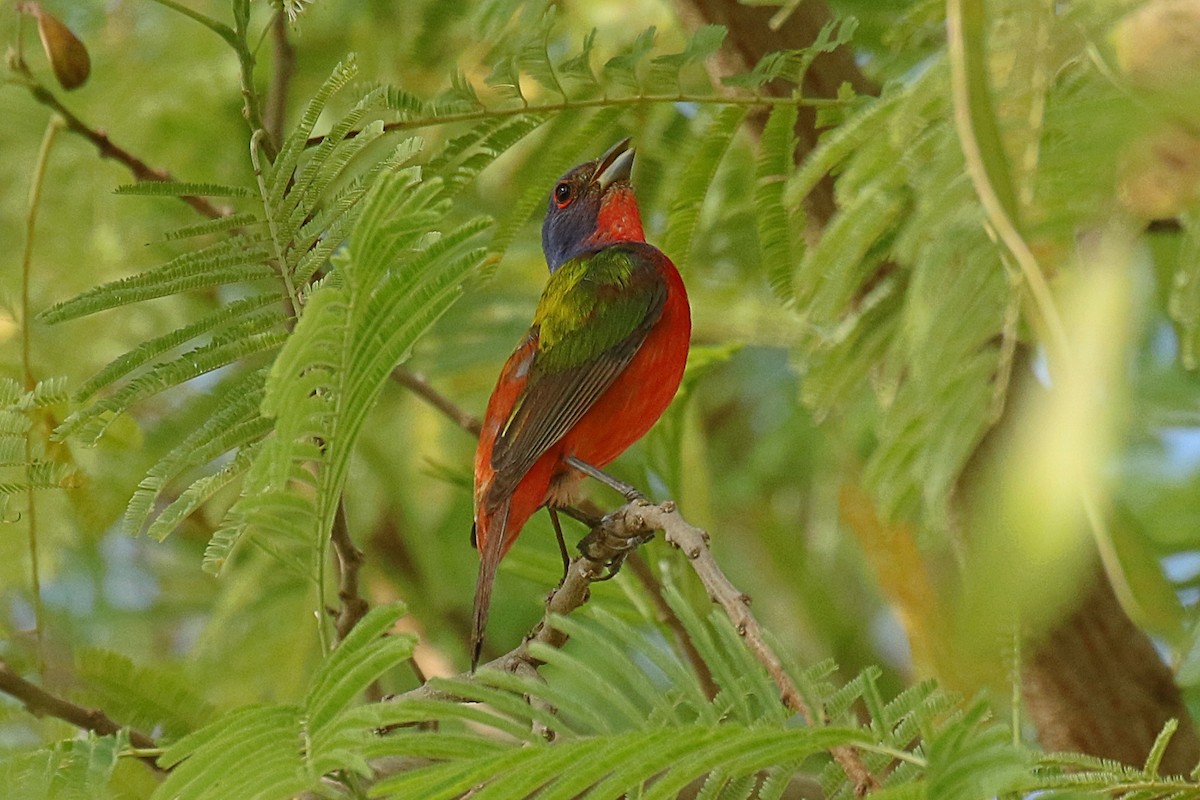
[562,544]
[629,492]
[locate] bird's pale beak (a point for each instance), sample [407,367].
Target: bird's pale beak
[615,165]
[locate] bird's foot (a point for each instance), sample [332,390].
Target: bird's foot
[613,552]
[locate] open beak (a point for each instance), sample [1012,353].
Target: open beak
[615,165]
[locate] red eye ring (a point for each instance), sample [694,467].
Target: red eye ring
[563,194]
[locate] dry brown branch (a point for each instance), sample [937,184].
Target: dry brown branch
[39,702]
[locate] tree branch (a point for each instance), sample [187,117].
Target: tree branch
[612,539]
[39,702]
[108,149]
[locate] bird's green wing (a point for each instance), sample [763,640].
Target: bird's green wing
[592,318]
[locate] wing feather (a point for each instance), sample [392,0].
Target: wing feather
[557,396]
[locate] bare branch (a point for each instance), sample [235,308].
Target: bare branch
[283,66]
[350,561]
[108,149]
[39,702]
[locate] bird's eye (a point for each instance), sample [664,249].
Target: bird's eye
[563,194]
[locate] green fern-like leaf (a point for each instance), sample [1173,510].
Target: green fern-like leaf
[622,69]
[220,225]
[235,424]
[280,751]
[235,312]
[177,189]
[775,162]
[76,769]
[150,699]
[694,185]
[229,261]
[355,327]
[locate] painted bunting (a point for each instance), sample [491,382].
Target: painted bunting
[598,367]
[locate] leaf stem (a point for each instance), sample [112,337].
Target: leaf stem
[986,165]
[220,29]
[55,125]
[486,112]
[257,141]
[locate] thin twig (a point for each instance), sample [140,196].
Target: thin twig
[283,66]
[422,388]
[39,702]
[350,560]
[107,149]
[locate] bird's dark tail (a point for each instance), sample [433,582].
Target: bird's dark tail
[490,551]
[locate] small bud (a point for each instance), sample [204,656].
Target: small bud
[67,55]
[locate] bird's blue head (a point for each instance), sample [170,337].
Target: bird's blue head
[592,205]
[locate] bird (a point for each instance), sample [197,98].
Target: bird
[601,362]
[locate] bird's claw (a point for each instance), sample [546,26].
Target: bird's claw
[620,551]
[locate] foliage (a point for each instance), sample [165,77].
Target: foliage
[230,405]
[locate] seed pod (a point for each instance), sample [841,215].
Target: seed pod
[67,55]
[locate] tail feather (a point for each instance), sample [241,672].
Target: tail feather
[489,559]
